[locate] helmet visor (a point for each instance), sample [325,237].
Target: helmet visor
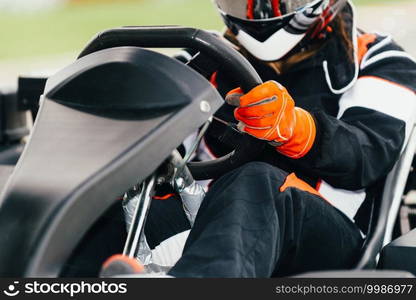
[261,9]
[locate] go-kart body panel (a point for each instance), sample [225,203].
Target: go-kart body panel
[96,135]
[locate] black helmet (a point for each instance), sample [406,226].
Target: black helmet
[270,29]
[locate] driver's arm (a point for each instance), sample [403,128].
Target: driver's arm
[375,120]
[360,146]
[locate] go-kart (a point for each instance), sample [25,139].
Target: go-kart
[110,124]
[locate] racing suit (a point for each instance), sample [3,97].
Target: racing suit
[279,216]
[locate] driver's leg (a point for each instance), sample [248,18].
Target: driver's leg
[247,227]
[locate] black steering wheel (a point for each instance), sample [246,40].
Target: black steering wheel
[231,62]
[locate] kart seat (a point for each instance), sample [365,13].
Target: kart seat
[385,207]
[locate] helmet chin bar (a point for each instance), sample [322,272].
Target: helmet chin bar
[285,39]
[272,49]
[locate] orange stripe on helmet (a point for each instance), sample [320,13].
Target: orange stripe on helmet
[276,8]
[250,9]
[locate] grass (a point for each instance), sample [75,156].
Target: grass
[69,29]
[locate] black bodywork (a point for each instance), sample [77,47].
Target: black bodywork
[105,123]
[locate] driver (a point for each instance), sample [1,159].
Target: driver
[336,110]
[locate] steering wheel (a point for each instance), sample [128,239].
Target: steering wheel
[231,62]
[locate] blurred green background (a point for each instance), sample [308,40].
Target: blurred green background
[69,27]
[55,33]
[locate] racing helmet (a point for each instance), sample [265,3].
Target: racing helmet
[270,29]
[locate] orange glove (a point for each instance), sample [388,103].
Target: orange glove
[268,112]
